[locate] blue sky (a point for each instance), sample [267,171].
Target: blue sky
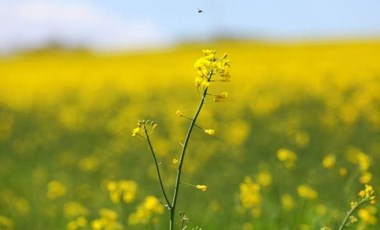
[126,24]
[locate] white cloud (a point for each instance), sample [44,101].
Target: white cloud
[33,23]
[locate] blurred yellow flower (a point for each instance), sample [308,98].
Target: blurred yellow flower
[365,177]
[221,97]
[107,221]
[179,113]
[6,223]
[329,161]
[55,190]
[306,192]
[78,223]
[368,214]
[250,196]
[209,131]
[342,171]
[321,209]
[287,156]
[287,202]
[358,157]
[202,187]
[146,211]
[264,178]
[74,209]
[123,190]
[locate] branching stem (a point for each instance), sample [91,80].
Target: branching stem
[349,213]
[182,157]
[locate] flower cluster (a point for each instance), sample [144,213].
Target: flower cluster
[368,194]
[329,161]
[210,65]
[74,209]
[250,196]
[107,221]
[363,161]
[144,126]
[124,190]
[55,190]
[288,157]
[221,97]
[78,223]
[146,211]
[366,214]
[306,192]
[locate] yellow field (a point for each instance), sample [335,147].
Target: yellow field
[296,140]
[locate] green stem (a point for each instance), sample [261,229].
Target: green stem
[182,157]
[188,118]
[349,213]
[157,168]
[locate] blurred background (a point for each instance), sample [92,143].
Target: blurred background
[295,141]
[130,25]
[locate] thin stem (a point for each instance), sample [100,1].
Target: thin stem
[349,213]
[190,119]
[157,168]
[183,222]
[182,157]
[188,184]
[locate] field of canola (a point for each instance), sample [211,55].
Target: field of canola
[296,140]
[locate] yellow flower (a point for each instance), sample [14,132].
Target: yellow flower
[203,188]
[329,161]
[74,209]
[365,177]
[343,171]
[221,97]
[175,161]
[250,196]
[179,113]
[305,191]
[210,66]
[55,189]
[368,214]
[356,156]
[107,220]
[287,156]
[205,84]
[353,219]
[264,178]
[145,211]
[287,202]
[364,161]
[321,209]
[152,204]
[209,131]
[367,192]
[80,222]
[123,190]
[135,131]
[208,51]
